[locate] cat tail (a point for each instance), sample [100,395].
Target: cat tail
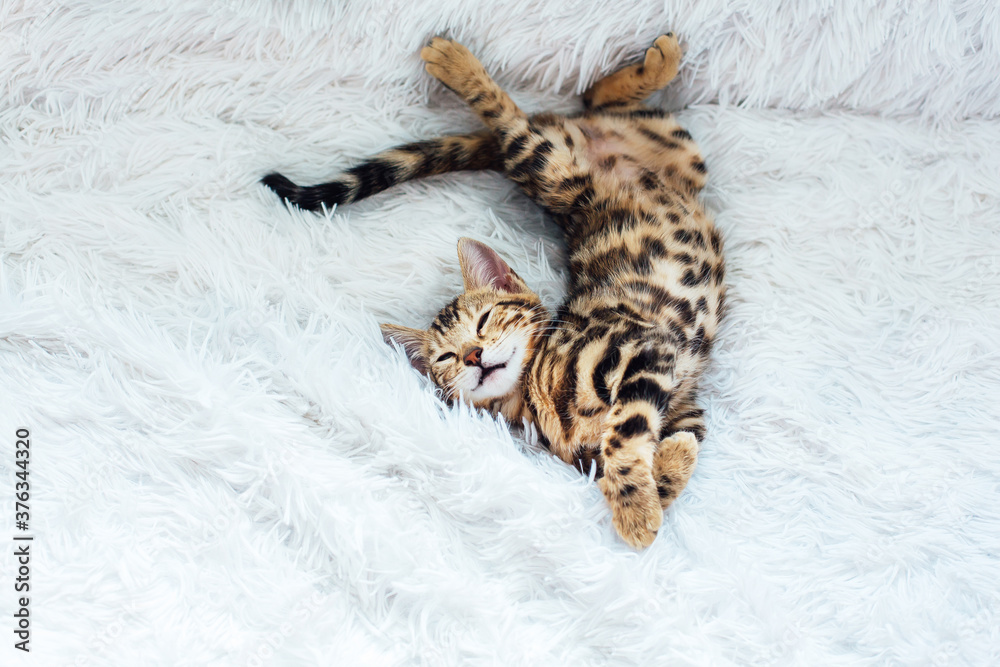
[402,163]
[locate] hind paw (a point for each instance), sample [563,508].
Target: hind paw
[662,60]
[636,82]
[453,65]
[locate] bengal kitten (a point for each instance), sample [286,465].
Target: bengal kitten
[611,378]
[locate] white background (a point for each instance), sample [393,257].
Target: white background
[229,467]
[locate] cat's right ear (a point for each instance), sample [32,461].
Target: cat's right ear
[483,267]
[411,340]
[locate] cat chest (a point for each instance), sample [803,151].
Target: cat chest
[568,408]
[566,433]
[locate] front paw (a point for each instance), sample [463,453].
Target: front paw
[673,464]
[635,511]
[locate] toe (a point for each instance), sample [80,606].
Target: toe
[654,57]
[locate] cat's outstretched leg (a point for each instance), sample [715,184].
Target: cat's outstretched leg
[455,66]
[536,151]
[631,85]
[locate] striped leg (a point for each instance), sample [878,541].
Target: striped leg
[685,415]
[455,66]
[631,85]
[536,151]
[629,448]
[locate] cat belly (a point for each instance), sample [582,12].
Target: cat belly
[607,153]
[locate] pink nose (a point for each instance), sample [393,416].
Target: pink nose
[474,356]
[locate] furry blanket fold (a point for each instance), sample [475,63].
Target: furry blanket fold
[229,467]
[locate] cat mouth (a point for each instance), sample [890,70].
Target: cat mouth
[487,372]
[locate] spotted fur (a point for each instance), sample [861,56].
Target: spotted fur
[610,379]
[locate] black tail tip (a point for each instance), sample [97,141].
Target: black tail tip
[311,198]
[282,187]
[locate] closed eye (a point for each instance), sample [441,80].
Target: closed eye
[445,357]
[482,322]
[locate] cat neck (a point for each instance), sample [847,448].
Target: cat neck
[512,406]
[519,404]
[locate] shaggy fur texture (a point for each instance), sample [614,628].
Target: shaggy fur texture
[230,467]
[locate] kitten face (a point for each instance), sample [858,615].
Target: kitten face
[478,344]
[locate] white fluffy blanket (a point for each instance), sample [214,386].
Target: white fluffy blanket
[229,467]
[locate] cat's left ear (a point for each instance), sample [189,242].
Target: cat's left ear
[482,267]
[411,340]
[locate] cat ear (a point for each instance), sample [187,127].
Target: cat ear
[481,267]
[411,340]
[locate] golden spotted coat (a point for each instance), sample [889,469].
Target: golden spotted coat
[610,379]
